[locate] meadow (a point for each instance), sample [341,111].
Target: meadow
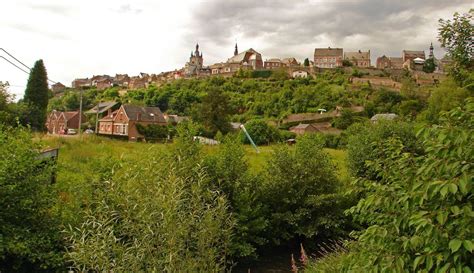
[84,151]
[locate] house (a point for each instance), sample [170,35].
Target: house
[58,122]
[123,121]
[289,62]
[358,58]
[104,84]
[175,119]
[299,74]
[412,54]
[378,117]
[328,57]
[104,108]
[58,87]
[273,63]
[98,78]
[137,82]
[79,83]
[302,129]
[385,62]
[121,80]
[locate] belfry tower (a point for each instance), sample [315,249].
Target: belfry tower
[431,56]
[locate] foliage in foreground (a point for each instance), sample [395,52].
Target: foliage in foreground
[150,216]
[419,215]
[303,193]
[29,232]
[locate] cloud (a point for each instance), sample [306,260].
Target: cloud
[281,27]
[56,9]
[127,8]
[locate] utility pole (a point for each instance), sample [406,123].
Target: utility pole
[97,118]
[80,114]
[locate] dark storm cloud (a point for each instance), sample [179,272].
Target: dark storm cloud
[286,23]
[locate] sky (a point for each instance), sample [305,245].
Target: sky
[82,38]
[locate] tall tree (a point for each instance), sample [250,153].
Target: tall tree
[306,62]
[36,96]
[215,110]
[457,37]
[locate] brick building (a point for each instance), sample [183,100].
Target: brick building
[358,58]
[328,57]
[58,122]
[123,121]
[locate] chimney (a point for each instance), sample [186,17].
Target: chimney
[109,111]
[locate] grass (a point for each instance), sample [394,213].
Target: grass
[83,152]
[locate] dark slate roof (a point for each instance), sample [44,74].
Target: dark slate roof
[327,52]
[103,106]
[143,113]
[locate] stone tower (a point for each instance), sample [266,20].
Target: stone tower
[431,56]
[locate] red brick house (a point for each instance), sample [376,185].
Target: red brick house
[273,63]
[358,58]
[328,57]
[58,122]
[412,54]
[58,87]
[123,121]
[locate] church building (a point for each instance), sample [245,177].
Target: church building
[195,65]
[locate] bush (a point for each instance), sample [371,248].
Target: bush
[158,214]
[30,239]
[154,132]
[419,215]
[363,139]
[260,132]
[302,191]
[229,174]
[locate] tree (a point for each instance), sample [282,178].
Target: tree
[214,111]
[457,37]
[306,62]
[29,231]
[36,96]
[429,66]
[347,63]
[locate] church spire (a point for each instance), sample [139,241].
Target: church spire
[236,51]
[431,51]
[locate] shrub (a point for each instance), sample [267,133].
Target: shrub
[229,174]
[363,139]
[157,214]
[302,192]
[419,215]
[260,132]
[153,132]
[30,238]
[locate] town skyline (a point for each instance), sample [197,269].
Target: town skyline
[71,50]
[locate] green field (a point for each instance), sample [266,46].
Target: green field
[78,155]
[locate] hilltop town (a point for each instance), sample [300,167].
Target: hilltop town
[383,73]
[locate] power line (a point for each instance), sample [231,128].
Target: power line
[14,65]
[14,58]
[19,62]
